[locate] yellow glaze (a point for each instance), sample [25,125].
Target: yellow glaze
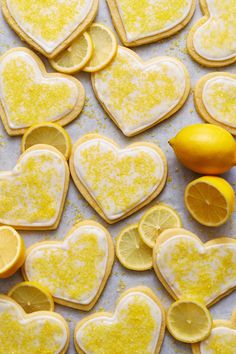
[74,269]
[138,94]
[39,334]
[219,97]
[221,341]
[123,334]
[194,271]
[32,193]
[28,97]
[145,17]
[216,38]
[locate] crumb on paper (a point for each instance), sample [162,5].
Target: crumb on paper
[121,286]
[75,213]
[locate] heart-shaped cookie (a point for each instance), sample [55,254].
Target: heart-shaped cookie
[117,182]
[222,339]
[33,194]
[137,326]
[42,97]
[76,270]
[140,23]
[49,26]
[137,95]
[215,99]
[38,332]
[192,270]
[211,41]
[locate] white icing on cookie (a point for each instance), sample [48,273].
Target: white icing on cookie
[221,338]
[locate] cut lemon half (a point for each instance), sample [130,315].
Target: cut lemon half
[189,321]
[75,57]
[155,221]
[105,47]
[131,251]
[12,251]
[210,200]
[48,133]
[32,297]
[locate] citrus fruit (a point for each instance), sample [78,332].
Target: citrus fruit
[205,148]
[210,200]
[156,220]
[189,321]
[75,57]
[48,133]
[32,297]
[12,251]
[105,47]
[131,251]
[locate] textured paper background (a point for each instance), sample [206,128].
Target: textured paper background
[94,119]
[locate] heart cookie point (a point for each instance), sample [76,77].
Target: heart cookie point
[211,40]
[33,193]
[38,332]
[43,97]
[33,22]
[150,22]
[77,268]
[206,272]
[138,325]
[103,173]
[138,95]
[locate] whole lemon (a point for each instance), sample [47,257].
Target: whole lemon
[205,148]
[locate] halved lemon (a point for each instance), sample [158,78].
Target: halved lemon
[12,251]
[189,321]
[32,297]
[131,251]
[210,200]
[75,57]
[105,47]
[155,221]
[48,133]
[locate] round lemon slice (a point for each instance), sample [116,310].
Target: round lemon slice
[48,133]
[32,297]
[131,251]
[210,200]
[75,57]
[155,221]
[105,47]
[189,321]
[12,251]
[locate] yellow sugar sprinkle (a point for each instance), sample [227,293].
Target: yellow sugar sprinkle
[38,336]
[36,101]
[33,194]
[221,344]
[72,273]
[131,333]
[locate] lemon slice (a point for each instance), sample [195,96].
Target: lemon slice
[131,251]
[12,251]
[32,297]
[50,134]
[105,47]
[75,57]
[210,200]
[156,220]
[189,321]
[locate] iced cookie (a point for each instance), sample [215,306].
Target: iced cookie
[117,182]
[42,97]
[211,41]
[193,270]
[138,95]
[215,99]
[137,326]
[75,270]
[222,339]
[33,194]
[149,21]
[49,26]
[38,332]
